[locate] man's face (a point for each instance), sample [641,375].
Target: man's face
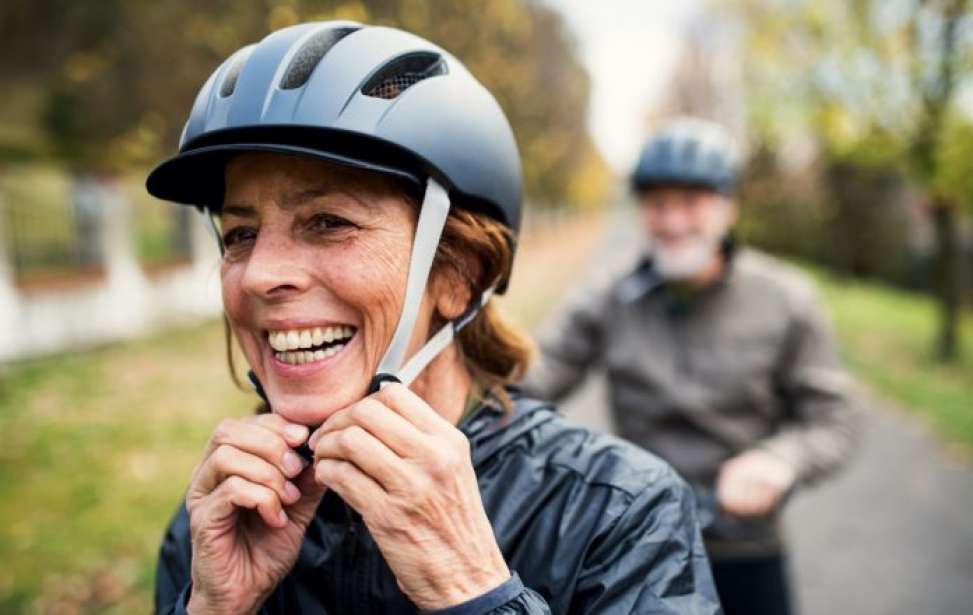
[685,226]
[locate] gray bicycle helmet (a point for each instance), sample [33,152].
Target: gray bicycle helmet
[691,152]
[375,98]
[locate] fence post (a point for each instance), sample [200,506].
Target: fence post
[126,283]
[8,292]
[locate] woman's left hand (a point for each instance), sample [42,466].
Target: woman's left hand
[408,472]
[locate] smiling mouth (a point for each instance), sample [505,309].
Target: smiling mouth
[300,346]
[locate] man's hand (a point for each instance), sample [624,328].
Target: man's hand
[753,483]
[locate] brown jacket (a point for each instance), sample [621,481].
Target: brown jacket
[750,362]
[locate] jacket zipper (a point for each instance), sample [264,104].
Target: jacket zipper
[349,569]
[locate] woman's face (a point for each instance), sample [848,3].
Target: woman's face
[314,277]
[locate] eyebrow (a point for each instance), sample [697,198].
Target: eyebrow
[240,211]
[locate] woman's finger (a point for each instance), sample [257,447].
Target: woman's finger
[235,493]
[367,452]
[227,461]
[356,488]
[401,436]
[412,408]
[264,438]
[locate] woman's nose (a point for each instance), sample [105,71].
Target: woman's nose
[275,268]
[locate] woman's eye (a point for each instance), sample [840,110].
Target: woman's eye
[327,222]
[238,235]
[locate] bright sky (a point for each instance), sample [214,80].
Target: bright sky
[629,48]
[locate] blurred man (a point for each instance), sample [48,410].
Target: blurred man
[718,359]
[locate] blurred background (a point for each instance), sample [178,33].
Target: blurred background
[857,120]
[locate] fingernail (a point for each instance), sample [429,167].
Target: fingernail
[292,492]
[296,432]
[282,517]
[292,463]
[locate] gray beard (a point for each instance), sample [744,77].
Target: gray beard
[685,262]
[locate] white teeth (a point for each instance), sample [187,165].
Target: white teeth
[293,340]
[301,357]
[305,339]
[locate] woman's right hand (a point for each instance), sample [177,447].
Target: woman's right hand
[249,502]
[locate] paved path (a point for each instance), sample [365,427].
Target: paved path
[893,534]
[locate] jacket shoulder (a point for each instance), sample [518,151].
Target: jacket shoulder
[773,276]
[598,459]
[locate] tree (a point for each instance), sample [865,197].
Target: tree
[873,83]
[112,81]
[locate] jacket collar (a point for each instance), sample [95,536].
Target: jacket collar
[490,428]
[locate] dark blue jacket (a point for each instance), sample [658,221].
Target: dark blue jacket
[588,524]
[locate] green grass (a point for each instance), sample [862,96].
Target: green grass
[98,448]
[887,338]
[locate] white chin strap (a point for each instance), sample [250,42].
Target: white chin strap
[429,230]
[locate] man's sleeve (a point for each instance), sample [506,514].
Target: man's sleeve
[571,343]
[822,427]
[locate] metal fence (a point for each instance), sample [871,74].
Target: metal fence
[54,223]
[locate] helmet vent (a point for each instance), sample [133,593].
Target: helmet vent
[402,73]
[309,55]
[229,81]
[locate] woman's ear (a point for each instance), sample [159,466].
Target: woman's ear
[450,292]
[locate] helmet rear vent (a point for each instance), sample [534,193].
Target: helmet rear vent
[402,73]
[309,55]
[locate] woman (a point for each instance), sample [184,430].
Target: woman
[367,193]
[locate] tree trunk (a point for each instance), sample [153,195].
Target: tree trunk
[948,279]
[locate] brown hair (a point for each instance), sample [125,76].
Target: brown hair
[480,250]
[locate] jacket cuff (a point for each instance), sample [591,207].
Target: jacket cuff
[788,449]
[484,603]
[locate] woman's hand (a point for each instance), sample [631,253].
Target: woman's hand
[249,503]
[408,472]
[753,483]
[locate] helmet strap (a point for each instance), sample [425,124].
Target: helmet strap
[211,219]
[429,230]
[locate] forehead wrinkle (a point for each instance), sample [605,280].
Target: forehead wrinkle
[296,198]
